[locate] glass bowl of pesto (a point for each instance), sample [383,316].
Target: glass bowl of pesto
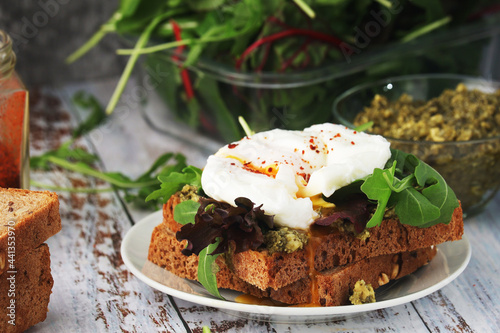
[451,122]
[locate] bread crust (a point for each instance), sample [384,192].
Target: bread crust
[33,286]
[31,217]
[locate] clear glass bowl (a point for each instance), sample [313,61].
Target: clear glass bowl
[295,100]
[471,168]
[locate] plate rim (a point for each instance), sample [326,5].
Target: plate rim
[156,218]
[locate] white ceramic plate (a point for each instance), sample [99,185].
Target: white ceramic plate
[450,261]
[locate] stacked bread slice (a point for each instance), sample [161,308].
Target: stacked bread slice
[27,220]
[324,272]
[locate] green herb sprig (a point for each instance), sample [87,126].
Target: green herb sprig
[73,158]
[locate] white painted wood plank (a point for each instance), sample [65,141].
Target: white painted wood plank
[472,302]
[93,291]
[403,317]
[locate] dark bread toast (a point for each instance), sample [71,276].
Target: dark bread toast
[334,285]
[32,286]
[333,248]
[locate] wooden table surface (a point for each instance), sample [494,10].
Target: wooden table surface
[94,291]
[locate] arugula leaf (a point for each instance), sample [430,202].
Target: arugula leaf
[207,269]
[185,211]
[415,209]
[63,152]
[437,191]
[97,115]
[421,198]
[376,187]
[174,181]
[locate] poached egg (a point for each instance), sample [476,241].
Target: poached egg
[287,171]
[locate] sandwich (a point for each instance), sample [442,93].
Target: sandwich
[27,220]
[319,217]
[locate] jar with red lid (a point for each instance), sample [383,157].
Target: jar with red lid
[14,120]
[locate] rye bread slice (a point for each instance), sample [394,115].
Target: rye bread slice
[32,289]
[31,217]
[333,248]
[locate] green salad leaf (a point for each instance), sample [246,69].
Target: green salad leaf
[418,193]
[185,211]
[207,269]
[174,181]
[376,188]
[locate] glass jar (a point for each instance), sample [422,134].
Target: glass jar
[14,120]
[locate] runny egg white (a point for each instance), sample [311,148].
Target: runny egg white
[285,171]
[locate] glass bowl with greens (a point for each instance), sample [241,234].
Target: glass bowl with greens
[451,122]
[280,63]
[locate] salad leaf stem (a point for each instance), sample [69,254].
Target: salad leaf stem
[141,42]
[364,127]
[70,189]
[156,48]
[426,29]
[87,170]
[399,185]
[305,8]
[385,3]
[95,39]
[248,131]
